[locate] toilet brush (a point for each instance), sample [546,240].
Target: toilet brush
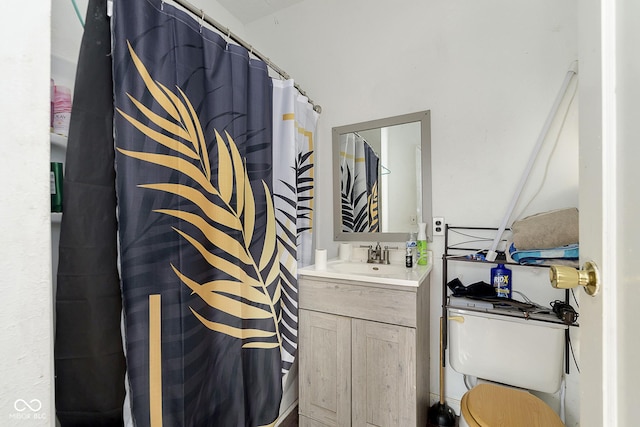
[440,414]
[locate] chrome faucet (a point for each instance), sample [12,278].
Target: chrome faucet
[378,255]
[373,255]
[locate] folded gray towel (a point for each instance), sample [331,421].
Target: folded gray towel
[546,230]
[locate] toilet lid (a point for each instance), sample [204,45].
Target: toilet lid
[489,405]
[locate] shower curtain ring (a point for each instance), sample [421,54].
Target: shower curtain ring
[228,37]
[201,20]
[162,6]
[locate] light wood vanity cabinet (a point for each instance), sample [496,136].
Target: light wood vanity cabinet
[363,353]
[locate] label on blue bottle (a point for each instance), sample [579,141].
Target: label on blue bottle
[502,285]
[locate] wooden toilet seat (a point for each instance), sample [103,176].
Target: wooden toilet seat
[490,405]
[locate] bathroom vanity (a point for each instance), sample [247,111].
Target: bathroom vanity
[364,345]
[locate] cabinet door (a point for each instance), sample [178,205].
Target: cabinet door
[384,374]
[325,368]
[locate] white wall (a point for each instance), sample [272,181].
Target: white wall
[488,71]
[25,255]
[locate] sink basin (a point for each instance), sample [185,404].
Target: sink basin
[390,274]
[370,269]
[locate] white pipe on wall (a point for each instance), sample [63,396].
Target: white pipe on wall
[573,70]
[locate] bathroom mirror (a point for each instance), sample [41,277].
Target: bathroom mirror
[382,178]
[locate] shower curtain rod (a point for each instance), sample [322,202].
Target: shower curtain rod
[225,30]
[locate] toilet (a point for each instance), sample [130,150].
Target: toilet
[509,356]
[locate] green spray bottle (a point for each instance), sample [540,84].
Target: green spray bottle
[422,244]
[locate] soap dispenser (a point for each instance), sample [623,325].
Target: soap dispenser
[422,243]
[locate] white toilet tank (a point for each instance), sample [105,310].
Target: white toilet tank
[509,350]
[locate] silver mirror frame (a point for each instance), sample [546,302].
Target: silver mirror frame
[424,117]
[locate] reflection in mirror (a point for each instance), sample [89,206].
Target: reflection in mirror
[380,170]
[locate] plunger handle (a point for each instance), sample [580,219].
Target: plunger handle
[441,362]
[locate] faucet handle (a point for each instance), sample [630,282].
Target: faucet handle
[384,255]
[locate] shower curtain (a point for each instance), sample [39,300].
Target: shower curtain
[211,229]
[88,354]
[215,202]
[294,124]
[359,168]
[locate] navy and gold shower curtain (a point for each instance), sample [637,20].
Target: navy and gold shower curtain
[202,282]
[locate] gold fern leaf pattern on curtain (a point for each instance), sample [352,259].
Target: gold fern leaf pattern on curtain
[374,225]
[246,296]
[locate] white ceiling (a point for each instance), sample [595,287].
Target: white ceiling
[249,10]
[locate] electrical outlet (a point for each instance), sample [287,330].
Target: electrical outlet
[438,226]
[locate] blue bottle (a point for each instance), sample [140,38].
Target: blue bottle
[501,281]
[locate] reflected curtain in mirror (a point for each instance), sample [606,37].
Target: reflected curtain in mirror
[359,184]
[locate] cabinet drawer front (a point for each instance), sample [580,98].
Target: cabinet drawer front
[397,307]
